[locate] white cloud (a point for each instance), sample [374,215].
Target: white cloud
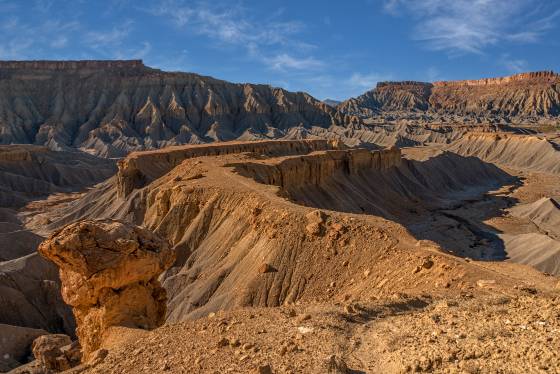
[471,26]
[285,61]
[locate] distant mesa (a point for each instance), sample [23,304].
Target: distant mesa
[71,65]
[516,98]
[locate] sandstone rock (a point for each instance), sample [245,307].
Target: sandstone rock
[316,216]
[109,276]
[427,263]
[267,268]
[505,96]
[47,350]
[485,283]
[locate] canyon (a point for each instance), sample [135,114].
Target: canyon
[168,222]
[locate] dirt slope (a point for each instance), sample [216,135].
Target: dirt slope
[522,152]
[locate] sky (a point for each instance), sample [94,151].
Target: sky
[330,49]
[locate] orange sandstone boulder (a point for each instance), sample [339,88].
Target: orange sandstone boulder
[109,274]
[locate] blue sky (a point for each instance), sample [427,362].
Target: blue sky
[331,49]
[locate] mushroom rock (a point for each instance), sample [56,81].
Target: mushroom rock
[109,272]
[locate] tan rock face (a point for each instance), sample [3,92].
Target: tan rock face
[109,276]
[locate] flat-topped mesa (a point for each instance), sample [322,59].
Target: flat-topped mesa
[71,65]
[545,76]
[140,168]
[109,272]
[294,172]
[402,84]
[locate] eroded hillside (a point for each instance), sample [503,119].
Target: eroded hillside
[113,107]
[526,97]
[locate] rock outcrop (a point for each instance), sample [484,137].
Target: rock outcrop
[517,98]
[141,168]
[113,107]
[109,276]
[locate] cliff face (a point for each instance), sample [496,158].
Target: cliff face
[522,96]
[114,107]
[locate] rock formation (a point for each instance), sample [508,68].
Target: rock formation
[109,276]
[518,97]
[113,107]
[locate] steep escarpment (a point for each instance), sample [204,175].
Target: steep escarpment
[140,168]
[519,98]
[113,107]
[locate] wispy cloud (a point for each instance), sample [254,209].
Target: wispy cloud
[514,65]
[114,36]
[471,26]
[231,25]
[365,81]
[284,61]
[22,40]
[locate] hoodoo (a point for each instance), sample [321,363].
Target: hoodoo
[109,276]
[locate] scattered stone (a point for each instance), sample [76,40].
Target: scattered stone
[485,283]
[223,342]
[234,342]
[263,369]
[314,229]
[47,349]
[267,268]
[335,365]
[428,263]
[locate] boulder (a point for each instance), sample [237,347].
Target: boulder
[48,351]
